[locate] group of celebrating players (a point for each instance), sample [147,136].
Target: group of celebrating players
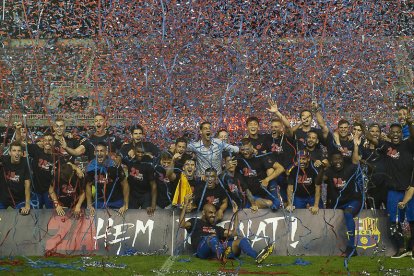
[301,166]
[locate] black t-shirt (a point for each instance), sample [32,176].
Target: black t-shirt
[146,147]
[165,187]
[68,192]
[12,178]
[108,179]
[234,188]
[140,175]
[44,166]
[301,136]
[346,148]
[303,181]
[200,229]
[260,143]
[112,141]
[195,182]
[63,154]
[251,172]
[282,149]
[342,186]
[213,196]
[398,161]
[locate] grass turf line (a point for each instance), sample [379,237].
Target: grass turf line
[274,265]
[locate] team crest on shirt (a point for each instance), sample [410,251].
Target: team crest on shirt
[367,234]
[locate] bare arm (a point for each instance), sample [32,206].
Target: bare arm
[185,224]
[151,209]
[223,207]
[125,192]
[274,109]
[273,173]
[407,197]
[26,208]
[355,152]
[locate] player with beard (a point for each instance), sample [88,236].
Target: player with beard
[111,186]
[15,180]
[343,190]
[208,150]
[189,169]
[398,159]
[211,192]
[142,186]
[231,181]
[101,135]
[137,135]
[67,191]
[45,162]
[302,190]
[317,153]
[377,188]
[179,153]
[255,174]
[211,241]
[300,131]
[165,183]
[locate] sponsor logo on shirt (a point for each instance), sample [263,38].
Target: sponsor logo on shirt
[249,172]
[276,148]
[136,174]
[12,176]
[213,200]
[44,165]
[393,153]
[302,179]
[339,182]
[209,229]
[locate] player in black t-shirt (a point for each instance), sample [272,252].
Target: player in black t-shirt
[61,141]
[302,190]
[211,192]
[377,178]
[255,174]
[344,190]
[137,134]
[112,189]
[318,155]
[211,241]
[164,178]
[142,186]
[101,136]
[231,181]
[68,190]
[399,162]
[15,180]
[257,139]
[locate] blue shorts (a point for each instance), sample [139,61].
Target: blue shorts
[302,202]
[392,206]
[110,204]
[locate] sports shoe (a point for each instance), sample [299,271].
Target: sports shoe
[264,253]
[402,254]
[225,255]
[412,255]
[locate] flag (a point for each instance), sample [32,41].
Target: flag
[183,189]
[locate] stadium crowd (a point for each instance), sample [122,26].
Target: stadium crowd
[300,166]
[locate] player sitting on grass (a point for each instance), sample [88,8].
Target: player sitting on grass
[208,239]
